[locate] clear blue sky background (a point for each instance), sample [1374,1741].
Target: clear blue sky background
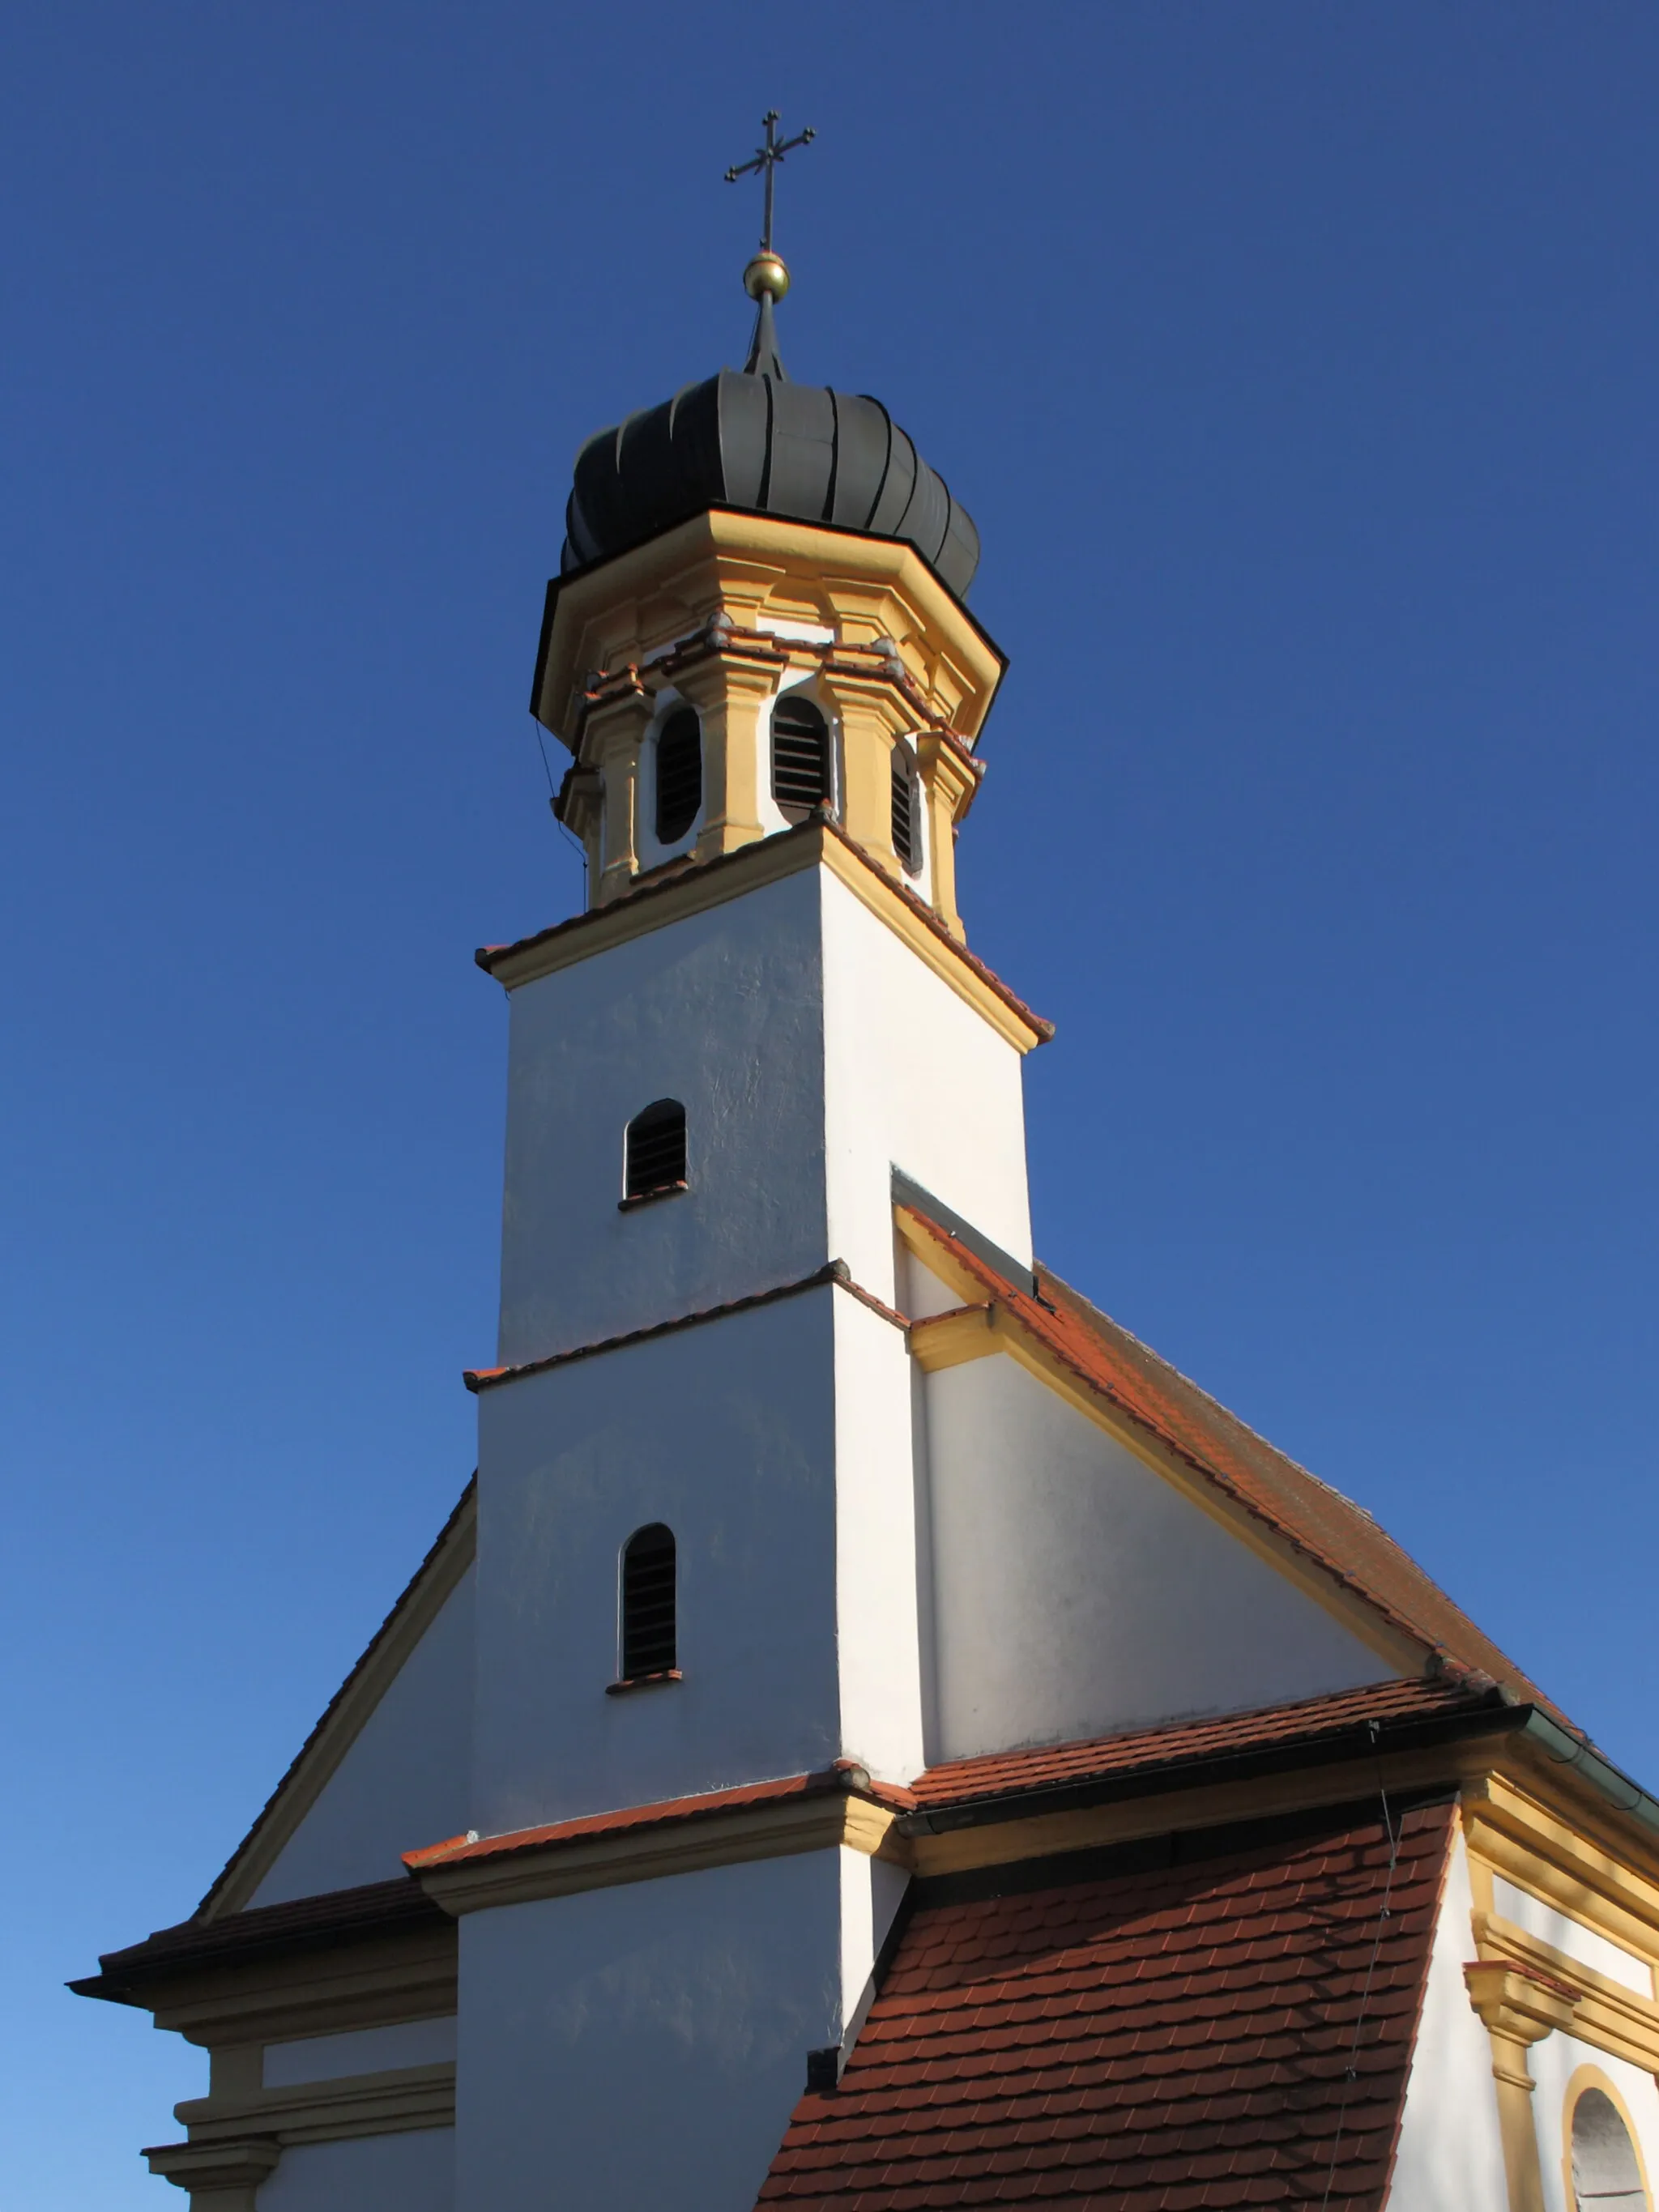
[1298,363]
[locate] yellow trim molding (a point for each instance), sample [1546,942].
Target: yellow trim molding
[766,573]
[393,2102]
[1607,2014]
[1566,1858]
[771,859]
[1592,2077]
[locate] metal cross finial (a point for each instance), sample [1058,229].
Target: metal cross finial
[765,160]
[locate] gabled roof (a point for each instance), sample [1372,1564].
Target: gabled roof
[344,1716]
[1175,2030]
[1152,1398]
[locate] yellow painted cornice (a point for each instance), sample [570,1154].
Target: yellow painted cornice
[699,888]
[758,569]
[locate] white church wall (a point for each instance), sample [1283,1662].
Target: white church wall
[876,1589]
[1558,2064]
[1449,2157]
[360,2050]
[1549,1926]
[914,1079]
[723,1011]
[921,1292]
[725,1431]
[872,1892]
[410,2172]
[1077,1593]
[405,1779]
[644,2045]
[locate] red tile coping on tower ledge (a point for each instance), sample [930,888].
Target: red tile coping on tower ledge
[844,1779]
[1211,2031]
[491,956]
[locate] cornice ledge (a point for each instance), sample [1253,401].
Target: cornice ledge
[649,906]
[831,1814]
[1519,2003]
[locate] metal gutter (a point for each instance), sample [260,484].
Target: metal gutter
[1608,1780]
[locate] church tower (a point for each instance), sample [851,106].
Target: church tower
[698,1496]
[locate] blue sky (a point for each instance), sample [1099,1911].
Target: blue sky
[1298,363]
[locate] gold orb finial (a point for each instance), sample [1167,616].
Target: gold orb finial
[767,272]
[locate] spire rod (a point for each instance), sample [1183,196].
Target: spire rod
[767,277]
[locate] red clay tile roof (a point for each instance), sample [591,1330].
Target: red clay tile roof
[1344,1714]
[458,1851]
[1147,2041]
[1329,1528]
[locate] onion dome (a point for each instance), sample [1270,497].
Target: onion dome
[752,440]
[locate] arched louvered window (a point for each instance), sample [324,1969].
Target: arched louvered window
[655,1152]
[647,1604]
[679,774]
[1606,2174]
[801,756]
[907,810]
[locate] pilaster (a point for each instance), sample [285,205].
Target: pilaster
[1518,2006]
[617,722]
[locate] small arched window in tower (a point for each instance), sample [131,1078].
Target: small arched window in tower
[801,756]
[654,1152]
[648,1642]
[1606,2175]
[679,774]
[907,810]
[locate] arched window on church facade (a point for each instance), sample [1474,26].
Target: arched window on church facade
[678,774]
[907,810]
[1606,2175]
[649,1640]
[654,1152]
[801,762]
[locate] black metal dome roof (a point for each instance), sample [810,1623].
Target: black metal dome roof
[751,438]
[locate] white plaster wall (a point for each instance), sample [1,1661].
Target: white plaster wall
[872,1892]
[360,2050]
[726,1432]
[1451,2153]
[410,2172]
[876,1585]
[644,2045]
[722,1011]
[406,1778]
[1545,1924]
[1552,2063]
[915,1079]
[921,1291]
[1076,1593]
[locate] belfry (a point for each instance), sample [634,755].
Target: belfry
[871,1735]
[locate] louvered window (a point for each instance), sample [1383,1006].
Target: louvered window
[907,809]
[647,1603]
[679,774]
[800,757]
[656,1163]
